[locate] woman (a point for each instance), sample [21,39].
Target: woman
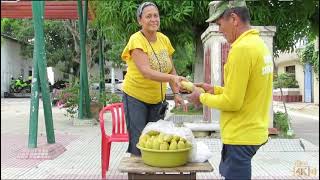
[148,55]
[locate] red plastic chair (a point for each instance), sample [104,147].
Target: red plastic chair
[119,132]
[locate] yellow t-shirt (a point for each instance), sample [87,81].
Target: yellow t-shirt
[245,99]
[135,84]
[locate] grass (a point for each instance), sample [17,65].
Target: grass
[191,110]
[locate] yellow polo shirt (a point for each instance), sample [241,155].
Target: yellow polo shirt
[245,99]
[135,84]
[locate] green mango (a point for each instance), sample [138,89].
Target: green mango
[173,145]
[161,137]
[176,138]
[164,146]
[153,133]
[181,145]
[183,139]
[188,145]
[142,143]
[167,138]
[149,144]
[144,137]
[156,144]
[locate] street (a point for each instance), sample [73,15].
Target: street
[305,127]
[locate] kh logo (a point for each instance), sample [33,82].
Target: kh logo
[302,168]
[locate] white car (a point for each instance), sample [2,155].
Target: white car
[108,85]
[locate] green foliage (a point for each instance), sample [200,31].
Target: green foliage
[70,98]
[181,21]
[184,22]
[308,55]
[293,19]
[112,98]
[183,59]
[192,110]
[285,80]
[281,121]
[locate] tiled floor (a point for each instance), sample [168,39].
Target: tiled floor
[81,160]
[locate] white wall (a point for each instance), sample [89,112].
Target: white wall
[299,73]
[290,59]
[12,63]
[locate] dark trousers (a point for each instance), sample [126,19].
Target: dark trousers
[138,114]
[236,161]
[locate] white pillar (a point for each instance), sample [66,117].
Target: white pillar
[112,80]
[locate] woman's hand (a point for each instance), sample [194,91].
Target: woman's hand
[176,80]
[179,102]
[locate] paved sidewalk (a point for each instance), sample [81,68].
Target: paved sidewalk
[81,160]
[310,110]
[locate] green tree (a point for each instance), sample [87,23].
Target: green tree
[309,55]
[184,21]
[61,41]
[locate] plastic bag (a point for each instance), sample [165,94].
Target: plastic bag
[202,153]
[199,151]
[168,127]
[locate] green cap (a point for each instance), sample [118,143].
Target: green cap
[220,7]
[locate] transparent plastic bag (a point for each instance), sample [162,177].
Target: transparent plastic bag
[199,151]
[169,128]
[202,153]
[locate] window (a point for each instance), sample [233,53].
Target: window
[290,69]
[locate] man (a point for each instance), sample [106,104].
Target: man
[245,99]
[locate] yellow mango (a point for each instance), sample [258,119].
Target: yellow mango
[144,137]
[149,144]
[153,133]
[188,145]
[142,143]
[181,145]
[161,137]
[164,146]
[173,145]
[176,138]
[167,138]
[183,139]
[201,89]
[187,85]
[156,144]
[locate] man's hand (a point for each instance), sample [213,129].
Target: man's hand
[176,80]
[194,97]
[179,102]
[207,87]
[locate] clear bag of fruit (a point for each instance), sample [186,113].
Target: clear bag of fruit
[164,135]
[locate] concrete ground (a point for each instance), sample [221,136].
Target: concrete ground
[278,159]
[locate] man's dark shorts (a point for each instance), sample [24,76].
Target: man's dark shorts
[138,114]
[236,161]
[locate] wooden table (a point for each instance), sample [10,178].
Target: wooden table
[136,169]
